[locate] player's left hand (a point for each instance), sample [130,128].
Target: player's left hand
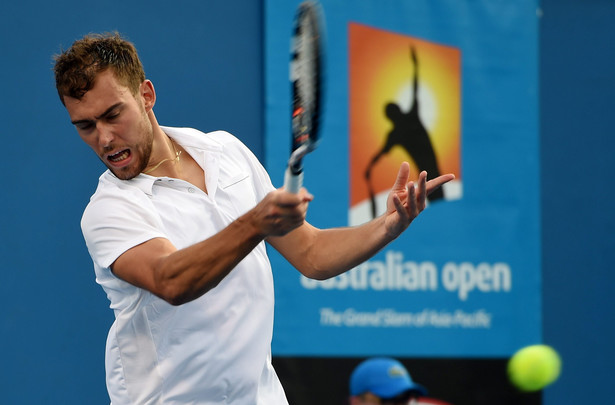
[406,201]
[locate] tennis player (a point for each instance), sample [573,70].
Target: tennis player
[176,230]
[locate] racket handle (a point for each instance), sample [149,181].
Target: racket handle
[292,182]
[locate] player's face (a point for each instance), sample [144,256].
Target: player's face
[115,124]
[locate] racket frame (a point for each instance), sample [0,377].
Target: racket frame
[305,117]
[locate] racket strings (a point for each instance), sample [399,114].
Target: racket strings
[307,58]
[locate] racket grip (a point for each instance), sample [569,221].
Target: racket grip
[292,182]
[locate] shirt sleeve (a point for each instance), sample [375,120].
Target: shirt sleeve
[116,220]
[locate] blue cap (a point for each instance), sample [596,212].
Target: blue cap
[383,377]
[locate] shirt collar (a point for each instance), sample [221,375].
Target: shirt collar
[193,138]
[188,138]
[143,182]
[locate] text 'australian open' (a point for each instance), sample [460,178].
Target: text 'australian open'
[396,274]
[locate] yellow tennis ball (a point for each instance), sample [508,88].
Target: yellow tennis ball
[534,367]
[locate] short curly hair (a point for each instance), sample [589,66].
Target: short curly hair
[76,68]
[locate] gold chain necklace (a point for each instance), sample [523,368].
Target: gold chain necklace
[176,159]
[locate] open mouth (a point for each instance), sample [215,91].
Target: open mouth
[119,156]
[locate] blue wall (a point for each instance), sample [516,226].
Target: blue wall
[577,85]
[55,318]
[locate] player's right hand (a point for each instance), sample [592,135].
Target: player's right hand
[280,212]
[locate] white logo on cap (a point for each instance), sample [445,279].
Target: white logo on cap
[396,371]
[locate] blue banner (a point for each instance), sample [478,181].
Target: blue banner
[450,87]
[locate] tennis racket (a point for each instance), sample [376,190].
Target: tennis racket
[306,81]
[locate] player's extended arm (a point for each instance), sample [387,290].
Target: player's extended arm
[324,253]
[180,276]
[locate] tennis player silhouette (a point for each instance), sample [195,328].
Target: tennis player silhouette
[409,133]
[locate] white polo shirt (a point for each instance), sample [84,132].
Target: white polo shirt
[215,349]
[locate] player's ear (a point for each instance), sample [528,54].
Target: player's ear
[148,94]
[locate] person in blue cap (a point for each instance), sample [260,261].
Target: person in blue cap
[383,381]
